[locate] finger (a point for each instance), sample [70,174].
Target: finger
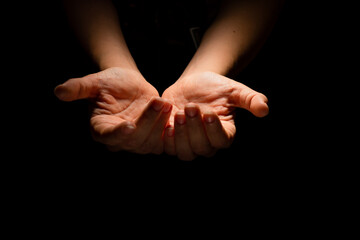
[255,102]
[78,88]
[115,135]
[199,142]
[216,133]
[182,144]
[154,142]
[146,121]
[169,140]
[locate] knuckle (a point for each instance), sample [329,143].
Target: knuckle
[145,148]
[158,148]
[186,157]
[222,144]
[158,151]
[102,138]
[132,144]
[171,152]
[151,145]
[202,149]
[113,148]
[95,136]
[169,149]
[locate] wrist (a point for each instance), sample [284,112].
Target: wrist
[208,63]
[117,61]
[190,76]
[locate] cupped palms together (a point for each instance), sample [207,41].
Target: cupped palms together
[196,112]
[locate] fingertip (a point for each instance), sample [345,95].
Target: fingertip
[64,92]
[192,110]
[60,92]
[180,117]
[157,104]
[170,131]
[128,128]
[209,117]
[167,107]
[261,109]
[169,140]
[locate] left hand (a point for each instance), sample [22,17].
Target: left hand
[202,118]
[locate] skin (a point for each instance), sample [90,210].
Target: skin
[127,112]
[203,113]
[117,120]
[203,98]
[195,115]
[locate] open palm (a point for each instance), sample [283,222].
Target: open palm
[212,98]
[127,112]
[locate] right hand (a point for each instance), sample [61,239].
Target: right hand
[127,113]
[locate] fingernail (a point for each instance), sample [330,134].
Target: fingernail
[59,91]
[167,107]
[157,104]
[170,131]
[265,110]
[209,118]
[180,118]
[191,111]
[128,129]
[262,110]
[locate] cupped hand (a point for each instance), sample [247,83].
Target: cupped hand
[202,119]
[127,112]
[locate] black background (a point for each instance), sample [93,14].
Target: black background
[57,133]
[277,172]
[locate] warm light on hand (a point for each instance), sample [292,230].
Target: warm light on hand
[202,119]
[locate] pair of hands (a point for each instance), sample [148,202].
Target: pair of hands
[194,116]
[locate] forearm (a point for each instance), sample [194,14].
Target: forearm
[97,26]
[235,37]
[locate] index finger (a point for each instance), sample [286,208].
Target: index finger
[147,120]
[111,130]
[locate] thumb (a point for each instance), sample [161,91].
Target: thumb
[77,88]
[254,102]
